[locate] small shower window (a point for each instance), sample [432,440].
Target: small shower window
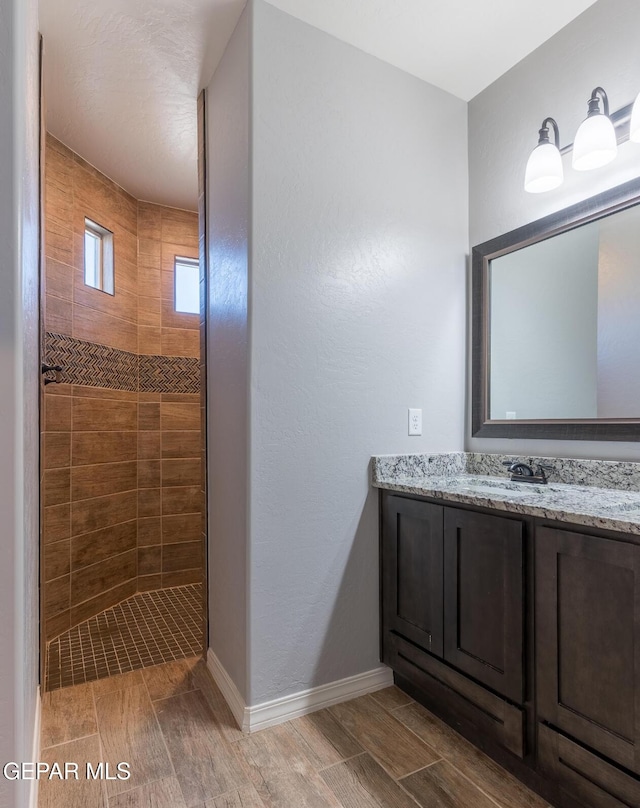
[187,285]
[98,257]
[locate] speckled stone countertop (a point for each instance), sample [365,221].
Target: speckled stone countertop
[602,494]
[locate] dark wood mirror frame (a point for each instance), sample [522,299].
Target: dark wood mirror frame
[596,207]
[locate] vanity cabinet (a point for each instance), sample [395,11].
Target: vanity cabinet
[453,608]
[524,635]
[588,652]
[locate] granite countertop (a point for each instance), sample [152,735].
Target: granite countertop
[601,494]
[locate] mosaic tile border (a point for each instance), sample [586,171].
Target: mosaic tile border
[144,630]
[168,374]
[91,364]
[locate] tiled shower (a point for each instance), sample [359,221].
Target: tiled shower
[122,446]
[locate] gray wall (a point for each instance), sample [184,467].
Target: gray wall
[598,48]
[358,285]
[19,223]
[227,352]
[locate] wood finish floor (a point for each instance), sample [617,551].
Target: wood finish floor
[172,725]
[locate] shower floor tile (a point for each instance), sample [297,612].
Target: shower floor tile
[144,630]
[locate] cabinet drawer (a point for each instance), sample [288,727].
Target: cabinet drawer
[583,775]
[497,718]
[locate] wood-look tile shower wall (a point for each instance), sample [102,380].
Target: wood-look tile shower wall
[121,438]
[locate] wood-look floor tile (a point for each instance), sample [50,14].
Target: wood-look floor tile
[280,771]
[273,751]
[444,786]
[361,783]
[163,793]
[481,770]
[391,698]
[243,798]
[67,715]
[206,765]
[398,750]
[170,679]
[121,682]
[324,740]
[217,704]
[291,788]
[80,793]
[129,731]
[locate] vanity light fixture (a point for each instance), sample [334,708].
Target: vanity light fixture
[596,143]
[544,167]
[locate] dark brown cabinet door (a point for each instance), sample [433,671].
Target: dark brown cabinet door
[588,641]
[484,599]
[412,571]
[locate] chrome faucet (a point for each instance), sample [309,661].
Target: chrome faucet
[522,473]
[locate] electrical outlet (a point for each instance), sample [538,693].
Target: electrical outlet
[511,416]
[415,422]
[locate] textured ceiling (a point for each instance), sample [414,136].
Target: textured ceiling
[121,84]
[122,76]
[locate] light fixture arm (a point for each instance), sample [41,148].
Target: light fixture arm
[594,102]
[543,134]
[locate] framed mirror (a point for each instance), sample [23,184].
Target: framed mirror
[556,324]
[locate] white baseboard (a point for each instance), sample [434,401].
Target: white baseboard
[35,754]
[228,689]
[270,713]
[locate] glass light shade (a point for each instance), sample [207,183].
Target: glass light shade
[544,169]
[595,144]
[634,128]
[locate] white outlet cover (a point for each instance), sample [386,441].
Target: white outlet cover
[415,422]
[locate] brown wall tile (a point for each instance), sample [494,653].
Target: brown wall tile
[180,342]
[95,326]
[186,527]
[150,340]
[178,319]
[149,531]
[56,595]
[149,416]
[149,445]
[94,415]
[94,514]
[177,416]
[95,447]
[57,411]
[56,450]
[181,578]
[81,391]
[147,583]
[181,444]
[56,524]
[57,560]
[149,313]
[181,500]
[54,626]
[149,502]
[59,279]
[89,608]
[149,559]
[149,474]
[92,581]
[89,548]
[181,472]
[182,556]
[57,487]
[58,315]
[102,479]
